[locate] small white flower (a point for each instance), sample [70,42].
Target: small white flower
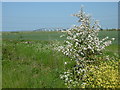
[77,43]
[84,83]
[113,38]
[66,79]
[61,77]
[76,40]
[74,36]
[67,42]
[65,63]
[85,48]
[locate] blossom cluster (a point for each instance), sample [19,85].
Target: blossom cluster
[74,76]
[83,41]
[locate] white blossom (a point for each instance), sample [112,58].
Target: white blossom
[113,38]
[65,62]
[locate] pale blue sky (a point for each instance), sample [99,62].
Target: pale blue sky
[34,15]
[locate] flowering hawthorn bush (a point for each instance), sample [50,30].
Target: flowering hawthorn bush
[81,45]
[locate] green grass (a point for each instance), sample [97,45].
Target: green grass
[110,34]
[31,65]
[46,36]
[37,64]
[40,35]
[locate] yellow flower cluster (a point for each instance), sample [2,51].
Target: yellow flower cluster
[105,75]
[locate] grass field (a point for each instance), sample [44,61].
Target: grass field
[50,35]
[35,64]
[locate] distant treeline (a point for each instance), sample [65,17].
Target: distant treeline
[110,29]
[62,30]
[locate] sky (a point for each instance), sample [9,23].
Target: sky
[18,16]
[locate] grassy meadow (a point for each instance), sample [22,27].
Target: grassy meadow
[30,61]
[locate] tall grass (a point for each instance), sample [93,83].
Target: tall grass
[31,65]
